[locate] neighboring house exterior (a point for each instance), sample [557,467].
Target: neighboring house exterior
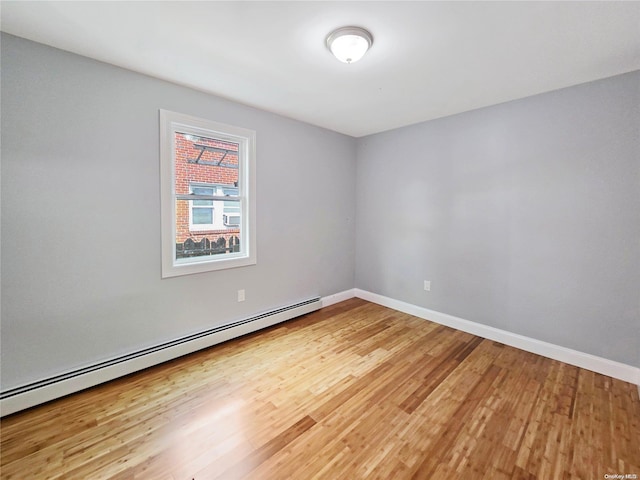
[206,166]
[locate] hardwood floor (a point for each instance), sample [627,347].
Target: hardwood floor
[352,391]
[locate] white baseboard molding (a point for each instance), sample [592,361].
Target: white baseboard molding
[45,390]
[338,297]
[49,389]
[587,361]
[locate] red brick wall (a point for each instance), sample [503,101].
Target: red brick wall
[187,173]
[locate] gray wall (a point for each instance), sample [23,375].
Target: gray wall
[81,214]
[525,216]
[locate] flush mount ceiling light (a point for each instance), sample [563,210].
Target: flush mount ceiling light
[349,44]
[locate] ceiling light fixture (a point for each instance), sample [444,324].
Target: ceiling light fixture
[349,44]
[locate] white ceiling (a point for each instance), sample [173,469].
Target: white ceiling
[428,60]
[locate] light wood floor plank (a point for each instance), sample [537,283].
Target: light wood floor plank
[352,391]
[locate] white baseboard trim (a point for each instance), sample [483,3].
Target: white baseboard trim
[49,389]
[587,361]
[338,297]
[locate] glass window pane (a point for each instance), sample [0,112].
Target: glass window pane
[230,192]
[206,159]
[203,190]
[202,216]
[232,206]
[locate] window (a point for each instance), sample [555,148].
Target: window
[207,195]
[207,215]
[201,211]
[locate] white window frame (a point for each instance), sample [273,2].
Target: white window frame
[170,124]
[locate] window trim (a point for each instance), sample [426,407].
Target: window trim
[170,123]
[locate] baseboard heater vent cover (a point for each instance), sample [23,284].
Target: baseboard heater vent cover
[57,386]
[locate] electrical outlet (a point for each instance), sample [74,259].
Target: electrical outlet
[241,295]
[427,285]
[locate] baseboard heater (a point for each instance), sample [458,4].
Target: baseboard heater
[42,391]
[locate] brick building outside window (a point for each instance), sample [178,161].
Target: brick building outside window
[206,166]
